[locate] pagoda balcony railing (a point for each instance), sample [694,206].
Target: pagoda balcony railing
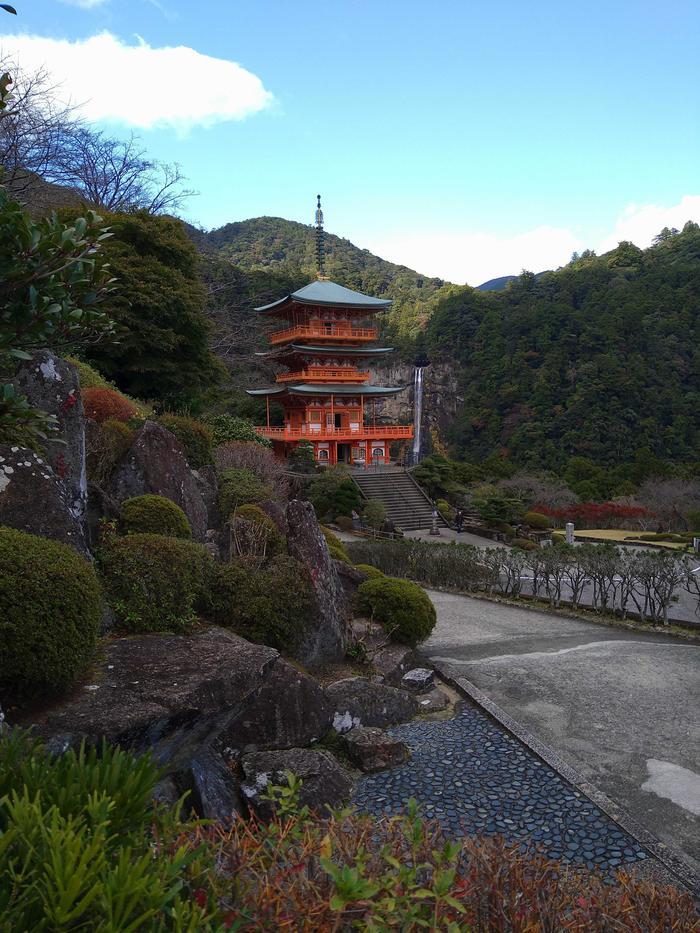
[333,332]
[323,374]
[318,432]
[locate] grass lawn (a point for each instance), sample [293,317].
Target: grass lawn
[622,535]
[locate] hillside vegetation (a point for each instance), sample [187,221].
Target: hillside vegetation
[599,359]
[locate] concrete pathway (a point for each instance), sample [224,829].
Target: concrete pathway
[622,708]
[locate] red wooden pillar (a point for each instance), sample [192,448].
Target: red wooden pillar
[267,409]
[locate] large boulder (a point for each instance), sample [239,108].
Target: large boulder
[208,485]
[328,638]
[372,749]
[156,464]
[52,385]
[34,499]
[178,695]
[214,789]
[357,701]
[324,782]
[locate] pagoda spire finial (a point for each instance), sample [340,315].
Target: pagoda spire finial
[319,237]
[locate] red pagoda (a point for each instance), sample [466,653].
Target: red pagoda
[326,395]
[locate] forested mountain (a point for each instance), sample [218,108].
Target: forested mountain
[289,248]
[600,358]
[496,285]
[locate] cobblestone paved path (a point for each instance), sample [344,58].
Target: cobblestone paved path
[475,778]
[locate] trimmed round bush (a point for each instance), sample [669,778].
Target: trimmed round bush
[155,583]
[155,515]
[239,486]
[345,523]
[335,545]
[107,405]
[402,607]
[195,437]
[537,520]
[50,608]
[372,573]
[269,537]
[524,544]
[272,606]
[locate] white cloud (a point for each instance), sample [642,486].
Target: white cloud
[85,4]
[640,223]
[142,86]
[476,257]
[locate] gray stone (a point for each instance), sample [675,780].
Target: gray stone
[208,486]
[175,695]
[350,577]
[277,513]
[419,680]
[374,749]
[358,701]
[52,385]
[325,783]
[392,661]
[156,464]
[214,789]
[434,702]
[34,499]
[328,638]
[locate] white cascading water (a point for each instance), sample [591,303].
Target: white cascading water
[417,411]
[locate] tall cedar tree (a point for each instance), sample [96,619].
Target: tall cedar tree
[162,349]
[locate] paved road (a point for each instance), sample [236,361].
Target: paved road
[622,708]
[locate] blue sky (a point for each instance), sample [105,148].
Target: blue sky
[465,139]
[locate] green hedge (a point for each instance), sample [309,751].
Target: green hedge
[239,486]
[155,583]
[272,605]
[50,607]
[457,566]
[196,438]
[402,607]
[156,515]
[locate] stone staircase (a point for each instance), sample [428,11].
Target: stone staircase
[406,504]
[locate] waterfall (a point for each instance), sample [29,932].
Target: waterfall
[417,411]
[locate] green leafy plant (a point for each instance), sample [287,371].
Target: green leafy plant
[254,533]
[537,520]
[156,515]
[226,428]
[333,493]
[50,610]
[195,437]
[239,486]
[106,444]
[154,583]
[402,607]
[374,513]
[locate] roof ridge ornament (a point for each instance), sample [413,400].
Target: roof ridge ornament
[319,239]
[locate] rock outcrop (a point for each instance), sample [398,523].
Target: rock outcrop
[372,749]
[34,499]
[184,698]
[325,783]
[52,385]
[357,701]
[328,638]
[418,680]
[156,464]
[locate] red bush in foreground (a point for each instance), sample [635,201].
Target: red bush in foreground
[107,405]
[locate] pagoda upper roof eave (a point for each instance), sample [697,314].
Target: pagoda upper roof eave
[326,294]
[325,389]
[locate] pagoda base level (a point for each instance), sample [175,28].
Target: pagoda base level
[359,453]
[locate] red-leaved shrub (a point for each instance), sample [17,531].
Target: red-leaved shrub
[599,514]
[107,405]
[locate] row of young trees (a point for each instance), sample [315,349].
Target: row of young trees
[601,577]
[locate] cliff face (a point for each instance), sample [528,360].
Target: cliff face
[439,398]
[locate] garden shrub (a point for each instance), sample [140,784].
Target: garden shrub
[226,428]
[154,583]
[84,847]
[373,513]
[524,544]
[445,509]
[106,445]
[369,571]
[537,520]
[107,405]
[272,605]
[156,515]
[195,437]
[239,486]
[259,460]
[261,537]
[345,523]
[50,609]
[402,607]
[333,493]
[89,377]
[336,548]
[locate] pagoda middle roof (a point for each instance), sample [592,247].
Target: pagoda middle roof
[324,389]
[327,351]
[330,294]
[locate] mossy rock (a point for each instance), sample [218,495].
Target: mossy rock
[50,609]
[155,515]
[402,607]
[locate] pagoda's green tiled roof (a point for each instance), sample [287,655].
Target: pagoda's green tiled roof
[330,294]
